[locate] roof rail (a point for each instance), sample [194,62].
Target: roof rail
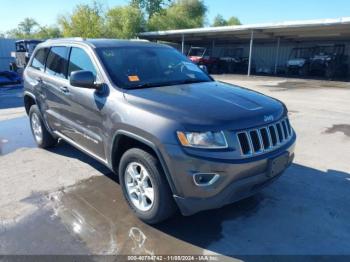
[67,38]
[139,40]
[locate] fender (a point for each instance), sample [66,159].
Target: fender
[154,148]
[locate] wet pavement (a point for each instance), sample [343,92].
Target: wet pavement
[14,134]
[305,212]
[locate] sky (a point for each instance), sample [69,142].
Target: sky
[248,11]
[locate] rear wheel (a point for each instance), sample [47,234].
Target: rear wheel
[41,136]
[145,187]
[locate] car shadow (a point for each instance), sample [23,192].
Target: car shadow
[305,212]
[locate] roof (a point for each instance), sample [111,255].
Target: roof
[29,41]
[99,43]
[291,30]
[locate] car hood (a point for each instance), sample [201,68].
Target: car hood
[208,106]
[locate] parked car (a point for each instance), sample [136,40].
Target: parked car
[24,49]
[203,56]
[233,61]
[176,138]
[329,61]
[299,61]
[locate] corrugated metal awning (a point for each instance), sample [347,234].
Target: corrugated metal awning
[292,30]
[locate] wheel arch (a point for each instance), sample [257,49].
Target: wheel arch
[29,100]
[124,140]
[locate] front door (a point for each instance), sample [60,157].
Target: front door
[84,121]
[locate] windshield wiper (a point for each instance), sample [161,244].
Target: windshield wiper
[192,81]
[146,85]
[171,83]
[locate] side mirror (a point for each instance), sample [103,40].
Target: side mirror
[204,68]
[82,78]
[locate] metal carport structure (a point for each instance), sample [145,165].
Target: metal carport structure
[295,31]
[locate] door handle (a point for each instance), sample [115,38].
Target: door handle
[39,79]
[64,89]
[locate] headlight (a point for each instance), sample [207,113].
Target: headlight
[210,140]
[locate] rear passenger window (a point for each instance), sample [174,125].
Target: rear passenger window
[39,59]
[57,63]
[80,60]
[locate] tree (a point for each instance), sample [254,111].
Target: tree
[151,7]
[179,15]
[27,26]
[233,21]
[25,29]
[219,20]
[124,22]
[85,21]
[46,32]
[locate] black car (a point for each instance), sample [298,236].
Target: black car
[176,138]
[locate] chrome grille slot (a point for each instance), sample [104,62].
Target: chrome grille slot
[244,143]
[289,127]
[273,134]
[285,132]
[279,132]
[255,140]
[266,138]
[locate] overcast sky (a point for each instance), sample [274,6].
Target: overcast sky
[249,11]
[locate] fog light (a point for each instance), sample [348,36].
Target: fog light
[205,179]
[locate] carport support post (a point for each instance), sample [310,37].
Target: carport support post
[250,52]
[183,44]
[277,53]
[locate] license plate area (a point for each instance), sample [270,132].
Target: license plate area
[278,164]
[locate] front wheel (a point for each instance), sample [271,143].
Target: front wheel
[41,136]
[145,187]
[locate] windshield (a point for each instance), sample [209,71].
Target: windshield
[196,51]
[301,53]
[31,47]
[137,67]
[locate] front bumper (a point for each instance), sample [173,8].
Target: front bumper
[238,179]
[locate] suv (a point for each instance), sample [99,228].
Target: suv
[299,61]
[176,138]
[24,49]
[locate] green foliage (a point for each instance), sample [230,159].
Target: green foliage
[233,21]
[124,22]
[85,21]
[151,7]
[180,15]
[47,32]
[219,20]
[29,28]
[92,21]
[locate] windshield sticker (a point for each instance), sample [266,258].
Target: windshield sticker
[193,67]
[134,78]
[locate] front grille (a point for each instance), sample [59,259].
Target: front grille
[266,138]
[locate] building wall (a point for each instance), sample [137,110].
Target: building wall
[6,47]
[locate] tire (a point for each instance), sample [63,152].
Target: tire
[41,136]
[163,205]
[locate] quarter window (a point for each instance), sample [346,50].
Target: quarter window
[80,60]
[57,61]
[39,59]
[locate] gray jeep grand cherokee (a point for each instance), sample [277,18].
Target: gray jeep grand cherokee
[176,138]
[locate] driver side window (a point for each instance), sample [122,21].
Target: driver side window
[80,60]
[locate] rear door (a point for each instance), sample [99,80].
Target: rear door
[54,87]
